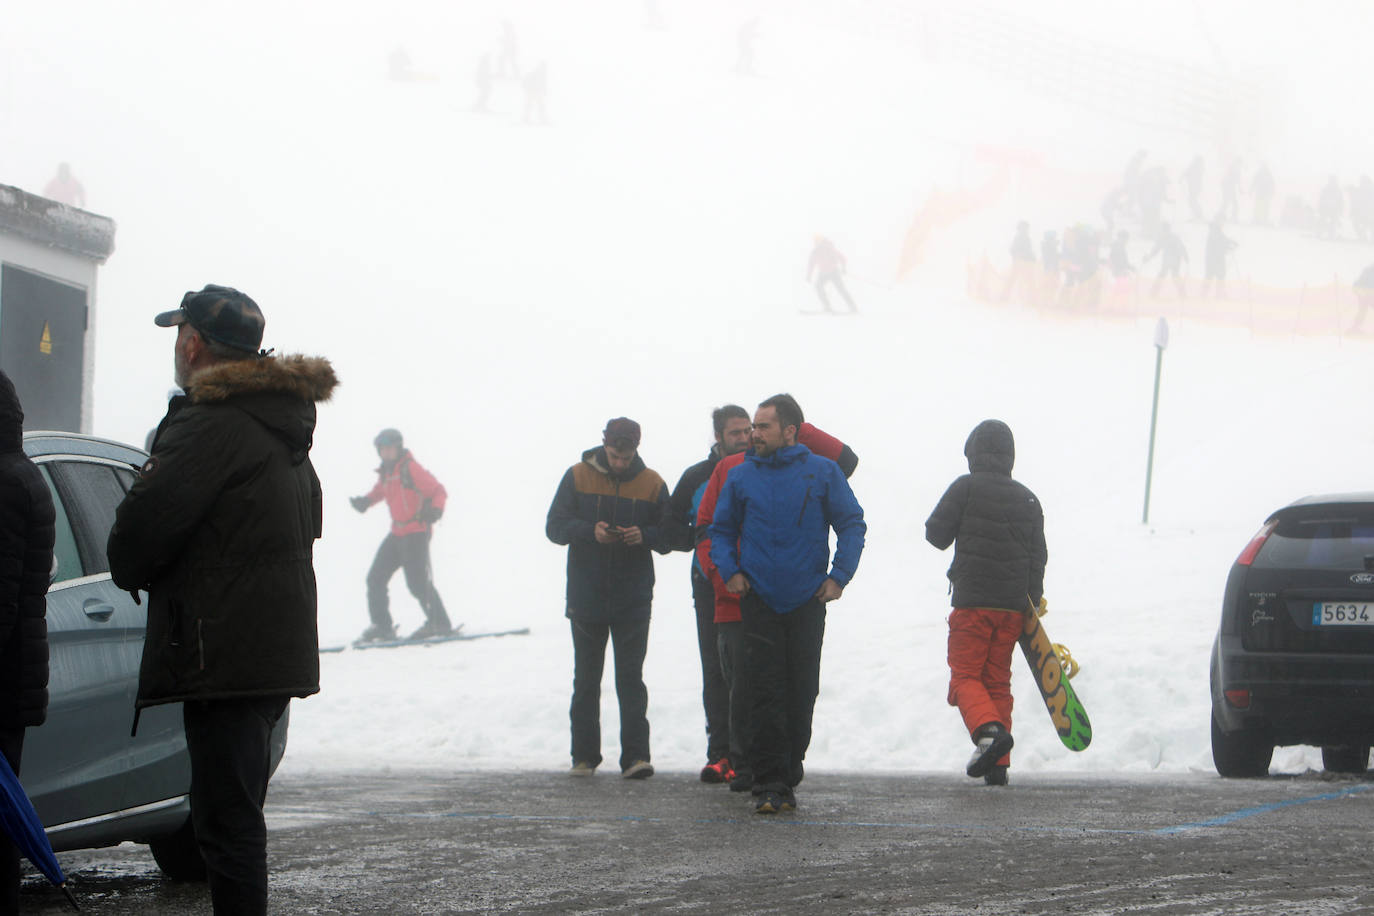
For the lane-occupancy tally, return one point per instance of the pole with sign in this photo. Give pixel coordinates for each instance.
(1161, 341)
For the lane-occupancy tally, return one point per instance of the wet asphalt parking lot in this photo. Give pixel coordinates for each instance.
(935, 843)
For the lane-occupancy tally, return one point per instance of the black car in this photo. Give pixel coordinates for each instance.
(1293, 661)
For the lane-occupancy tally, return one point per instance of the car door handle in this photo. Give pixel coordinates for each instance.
(97, 609)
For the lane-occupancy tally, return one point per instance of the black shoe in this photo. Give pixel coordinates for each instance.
(991, 742)
(775, 803)
(997, 776)
(742, 782)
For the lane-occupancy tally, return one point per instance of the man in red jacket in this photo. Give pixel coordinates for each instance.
(729, 629)
(416, 501)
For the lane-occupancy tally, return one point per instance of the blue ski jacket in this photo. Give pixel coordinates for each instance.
(773, 523)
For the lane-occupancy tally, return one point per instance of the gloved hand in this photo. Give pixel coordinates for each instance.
(359, 502)
(429, 513)
(1044, 607)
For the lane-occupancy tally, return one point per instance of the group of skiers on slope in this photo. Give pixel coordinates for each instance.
(1069, 270)
(757, 513)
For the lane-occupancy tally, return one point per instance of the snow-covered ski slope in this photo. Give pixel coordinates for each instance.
(498, 291)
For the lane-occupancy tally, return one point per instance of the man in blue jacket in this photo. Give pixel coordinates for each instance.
(770, 539)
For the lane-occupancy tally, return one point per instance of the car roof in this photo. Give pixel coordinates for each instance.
(1326, 501)
(44, 442)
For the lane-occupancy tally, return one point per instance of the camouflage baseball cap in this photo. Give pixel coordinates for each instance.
(219, 313)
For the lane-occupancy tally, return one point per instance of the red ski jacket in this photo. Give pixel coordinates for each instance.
(820, 442)
(407, 487)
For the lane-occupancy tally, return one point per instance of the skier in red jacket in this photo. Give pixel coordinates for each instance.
(416, 501)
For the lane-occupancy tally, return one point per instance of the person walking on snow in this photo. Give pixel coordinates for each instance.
(1219, 246)
(729, 629)
(610, 511)
(770, 541)
(828, 266)
(732, 428)
(416, 501)
(998, 532)
(1172, 255)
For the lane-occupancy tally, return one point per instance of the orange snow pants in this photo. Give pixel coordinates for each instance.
(981, 641)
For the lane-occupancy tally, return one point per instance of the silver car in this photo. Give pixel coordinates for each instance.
(92, 782)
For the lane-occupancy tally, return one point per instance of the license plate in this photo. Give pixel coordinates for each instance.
(1343, 614)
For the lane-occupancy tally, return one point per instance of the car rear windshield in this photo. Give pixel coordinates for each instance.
(1320, 543)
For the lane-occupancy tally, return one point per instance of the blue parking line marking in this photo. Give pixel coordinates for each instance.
(1260, 809)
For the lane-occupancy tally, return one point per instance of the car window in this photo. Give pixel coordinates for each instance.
(126, 478)
(91, 492)
(64, 548)
(1333, 543)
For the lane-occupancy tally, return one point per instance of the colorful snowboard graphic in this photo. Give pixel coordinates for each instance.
(1067, 713)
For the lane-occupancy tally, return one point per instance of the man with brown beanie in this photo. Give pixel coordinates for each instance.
(610, 511)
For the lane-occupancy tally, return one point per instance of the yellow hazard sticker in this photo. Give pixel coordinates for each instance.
(45, 342)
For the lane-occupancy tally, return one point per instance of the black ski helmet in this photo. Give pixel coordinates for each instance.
(387, 437)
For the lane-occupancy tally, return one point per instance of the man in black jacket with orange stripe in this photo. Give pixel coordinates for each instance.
(610, 511)
(26, 539)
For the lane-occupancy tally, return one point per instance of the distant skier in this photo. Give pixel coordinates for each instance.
(1262, 189)
(483, 80)
(998, 531)
(1172, 255)
(1049, 267)
(1218, 247)
(508, 57)
(828, 266)
(1364, 298)
(64, 188)
(1192, 181)
(536, 85)
(1330, 209)
(1152, 193)
(1230, 193)
(744, 61)
(416, 501)
(1021, 276)
(1362, 208)
(1120, 259)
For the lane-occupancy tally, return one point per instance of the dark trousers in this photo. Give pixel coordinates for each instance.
(835, 280)
(715, 695)
(730, 644)
(408, 552)
(782, 653)
(12, 746)
(229, 742)
(630, 640)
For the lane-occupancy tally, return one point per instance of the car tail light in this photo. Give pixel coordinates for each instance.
(1238, 698)
(1247, 556)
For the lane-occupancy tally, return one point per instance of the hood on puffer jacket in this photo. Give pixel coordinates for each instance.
(990, 447)
(11, 417)
(596, 458)
(257, 385)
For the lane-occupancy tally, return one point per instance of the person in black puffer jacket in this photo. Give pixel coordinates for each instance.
(998, 530)
(27, 526)
(219, 529)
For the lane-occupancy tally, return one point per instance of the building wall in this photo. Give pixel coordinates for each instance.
(70, 270)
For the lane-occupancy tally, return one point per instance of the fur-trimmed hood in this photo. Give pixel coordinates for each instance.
(278, 392)
(310, 378)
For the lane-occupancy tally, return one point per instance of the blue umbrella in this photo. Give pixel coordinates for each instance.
(20, 821)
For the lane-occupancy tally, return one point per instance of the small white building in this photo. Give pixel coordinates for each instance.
(49, 253)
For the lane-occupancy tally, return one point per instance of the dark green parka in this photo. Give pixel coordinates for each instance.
(220, 530)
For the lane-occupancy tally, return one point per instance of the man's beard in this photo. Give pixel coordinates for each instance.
(180, 370)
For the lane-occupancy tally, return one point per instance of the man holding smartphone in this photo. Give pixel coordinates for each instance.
(609, 510)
